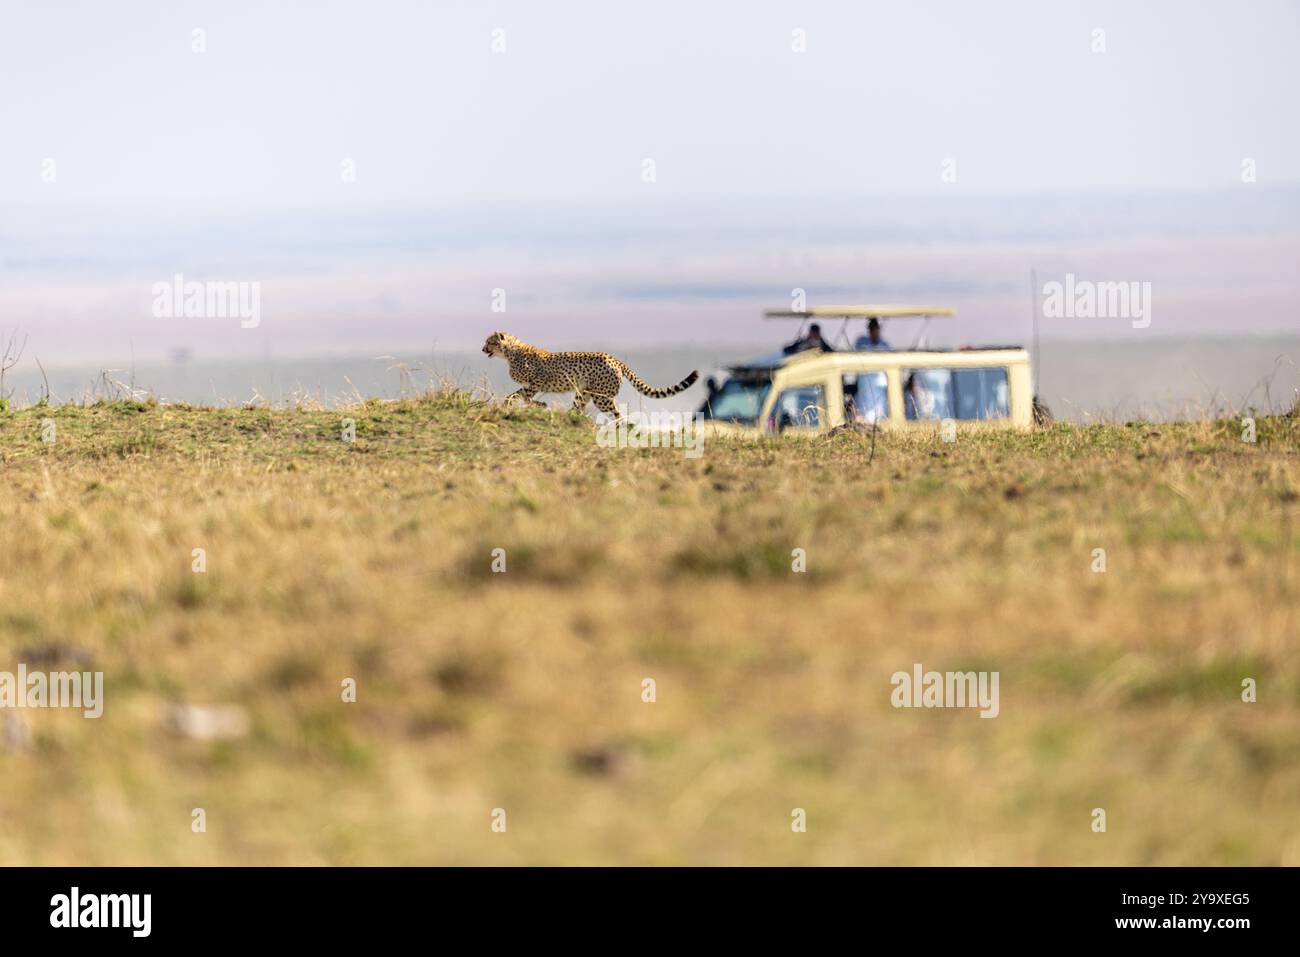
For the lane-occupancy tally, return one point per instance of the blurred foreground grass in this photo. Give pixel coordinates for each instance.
(372, 560)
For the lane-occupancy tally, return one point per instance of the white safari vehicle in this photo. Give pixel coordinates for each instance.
(867, 381)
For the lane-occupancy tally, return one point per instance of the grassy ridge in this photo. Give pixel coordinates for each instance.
(372, 560)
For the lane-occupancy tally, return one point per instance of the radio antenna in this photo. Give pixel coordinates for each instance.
(1033, 308)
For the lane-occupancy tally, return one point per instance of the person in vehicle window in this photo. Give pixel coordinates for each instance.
(870, 401)
(918, 403)
(872, 340)
(813, 340)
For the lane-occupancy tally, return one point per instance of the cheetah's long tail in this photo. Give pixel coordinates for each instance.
(645, 389)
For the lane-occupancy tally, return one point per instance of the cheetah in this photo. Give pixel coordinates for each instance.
(591, 376)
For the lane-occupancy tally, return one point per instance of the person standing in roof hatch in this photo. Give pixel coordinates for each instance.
(872, 340)
(813, 340)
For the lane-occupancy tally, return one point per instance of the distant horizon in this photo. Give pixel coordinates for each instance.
(378, 354)
(80, 284)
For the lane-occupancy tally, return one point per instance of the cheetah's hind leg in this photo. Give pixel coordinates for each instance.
(606, 404)
(580, 400)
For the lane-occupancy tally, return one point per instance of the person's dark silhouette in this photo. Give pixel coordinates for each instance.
(813, 340)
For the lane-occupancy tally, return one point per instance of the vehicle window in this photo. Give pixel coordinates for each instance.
(955, 394)
(738, 400)
(869, 392)
(802, 408)
(927, 394)
(981, 393)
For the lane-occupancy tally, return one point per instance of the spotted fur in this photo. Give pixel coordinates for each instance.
(591, 376)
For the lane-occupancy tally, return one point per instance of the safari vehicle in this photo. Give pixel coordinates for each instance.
(814, 391)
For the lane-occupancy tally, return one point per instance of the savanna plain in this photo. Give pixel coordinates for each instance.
(330, 564)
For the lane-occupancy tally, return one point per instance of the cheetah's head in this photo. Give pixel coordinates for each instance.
(497, 342)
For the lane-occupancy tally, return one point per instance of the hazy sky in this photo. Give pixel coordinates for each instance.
(584, 92)
(381, 167)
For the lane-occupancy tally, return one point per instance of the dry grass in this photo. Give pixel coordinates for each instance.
(522, 691)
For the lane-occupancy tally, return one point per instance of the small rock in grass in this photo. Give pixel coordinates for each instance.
(209, 722)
